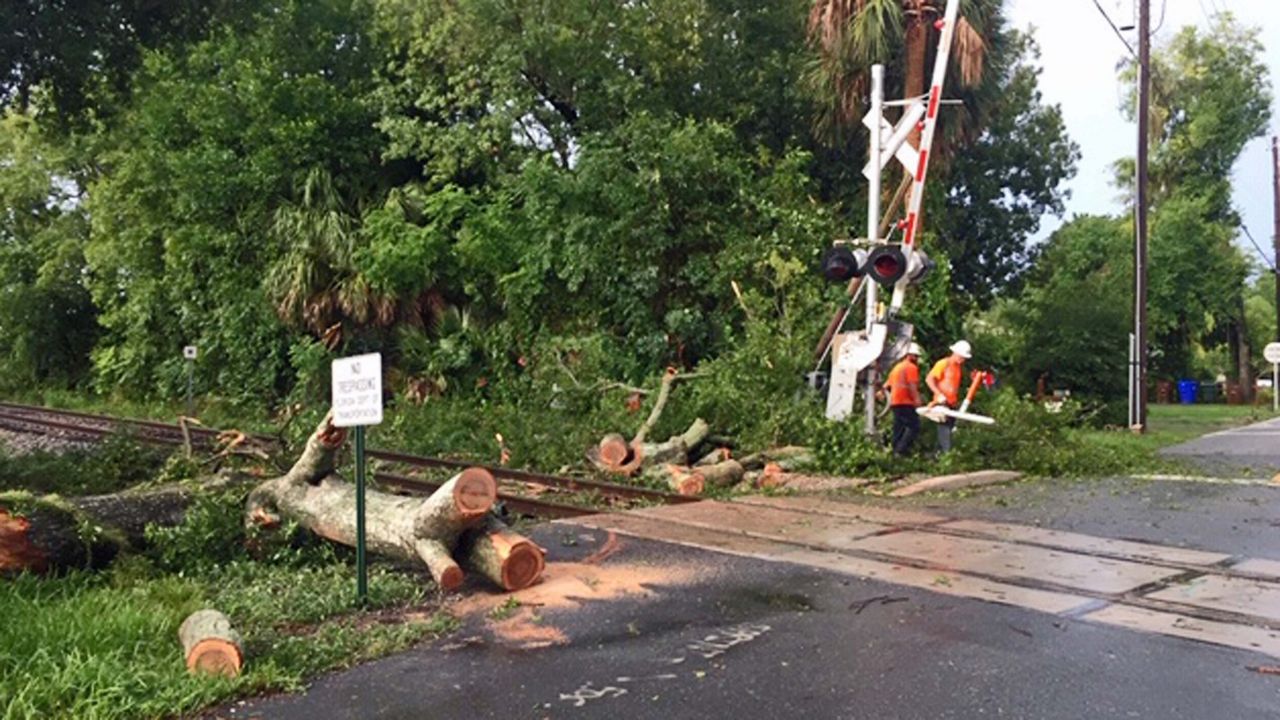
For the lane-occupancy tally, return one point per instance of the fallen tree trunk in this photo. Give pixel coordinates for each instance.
(50, 533)
(210, 645)
(407, 528)
(509, 560)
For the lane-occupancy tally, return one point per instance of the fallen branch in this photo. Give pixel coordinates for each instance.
(409, 528)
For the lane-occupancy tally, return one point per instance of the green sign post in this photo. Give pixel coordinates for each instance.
(357, 403)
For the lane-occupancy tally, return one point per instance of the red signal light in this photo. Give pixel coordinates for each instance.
(887, 264)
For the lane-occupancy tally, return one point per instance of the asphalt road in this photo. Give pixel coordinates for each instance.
(732, 637)
(1249, 450)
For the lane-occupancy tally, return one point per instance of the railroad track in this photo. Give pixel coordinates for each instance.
(521, 491)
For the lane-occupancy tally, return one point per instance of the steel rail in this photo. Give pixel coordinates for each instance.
(23, 418)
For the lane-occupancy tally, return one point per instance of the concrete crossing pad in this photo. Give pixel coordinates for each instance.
(1012, 561)
(1243, 637)
(1238, 595)
(1087, 543)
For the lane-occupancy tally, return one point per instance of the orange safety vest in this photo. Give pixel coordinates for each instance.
(901, 378)
(949, 376)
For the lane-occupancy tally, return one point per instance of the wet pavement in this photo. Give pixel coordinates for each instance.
(1252, 450)
(763, 610)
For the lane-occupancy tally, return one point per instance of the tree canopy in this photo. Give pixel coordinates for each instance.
(479, 189)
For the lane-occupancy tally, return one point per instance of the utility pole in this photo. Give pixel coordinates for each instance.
(1275, 186)
(1140, 224)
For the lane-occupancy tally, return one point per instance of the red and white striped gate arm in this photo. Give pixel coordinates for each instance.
(912, 221)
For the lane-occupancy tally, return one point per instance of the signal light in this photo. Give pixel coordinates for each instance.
(840, 264)
(886, 264)
(918, 267)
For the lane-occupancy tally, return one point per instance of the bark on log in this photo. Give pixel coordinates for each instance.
(508, 559)
(408, 528)
(788, 457)
(721, 475)
(647, 455)
(50, 533)
(676, 449)
(210, 645)
(717, 455)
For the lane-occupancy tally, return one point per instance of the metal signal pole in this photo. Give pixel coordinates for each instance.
(1140, 224)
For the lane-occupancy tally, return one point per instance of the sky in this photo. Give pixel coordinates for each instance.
(1079, 55)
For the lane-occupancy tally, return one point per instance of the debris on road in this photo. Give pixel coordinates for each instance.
(955, 482)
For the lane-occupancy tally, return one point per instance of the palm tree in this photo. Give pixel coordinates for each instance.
(852, 35)
(315, 283)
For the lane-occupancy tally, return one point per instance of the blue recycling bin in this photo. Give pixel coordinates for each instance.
(1187, 391)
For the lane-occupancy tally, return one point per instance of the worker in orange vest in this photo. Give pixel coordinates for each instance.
(944, 380)
(903, 387)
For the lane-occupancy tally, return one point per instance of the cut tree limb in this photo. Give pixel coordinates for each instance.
(508, 559)
(723, 474)
(407, 528)
(50, 533)
(682, 480)
(210, 645)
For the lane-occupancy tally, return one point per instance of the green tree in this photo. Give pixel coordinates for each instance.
(1211, 95)
(47, 321)
(217, 138)
(1005, 181)
(1070, 324)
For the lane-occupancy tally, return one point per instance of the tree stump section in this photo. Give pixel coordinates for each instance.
(407, 528)
(508, 559)
(210, 645)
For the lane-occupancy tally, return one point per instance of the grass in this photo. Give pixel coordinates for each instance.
(1168, 425)
(1173, 424)
(105, 646)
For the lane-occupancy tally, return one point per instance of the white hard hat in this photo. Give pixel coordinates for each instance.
(914, 349)
(963, 349)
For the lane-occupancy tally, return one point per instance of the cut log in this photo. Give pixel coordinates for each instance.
(614, 450)
(407, 528)
(681, 480)
(721, 475)
(41, 534)
(717, 455)
(508, 559)
(210, 645)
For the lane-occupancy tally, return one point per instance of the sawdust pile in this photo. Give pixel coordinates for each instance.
(567, 586)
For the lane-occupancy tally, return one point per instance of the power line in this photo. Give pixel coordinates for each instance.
(1265, 260)
(1164, 5)
(1114, 28)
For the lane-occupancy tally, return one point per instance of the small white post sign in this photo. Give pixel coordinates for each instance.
(1272, 353)
(357, 390)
